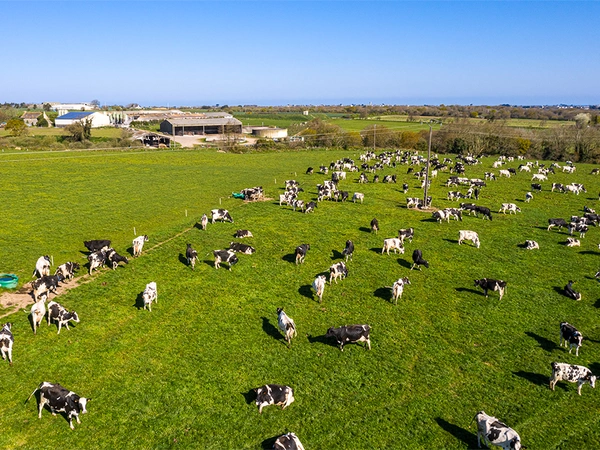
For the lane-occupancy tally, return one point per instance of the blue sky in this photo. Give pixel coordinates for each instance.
(301, 52)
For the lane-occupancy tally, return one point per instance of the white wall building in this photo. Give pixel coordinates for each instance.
(98, 119)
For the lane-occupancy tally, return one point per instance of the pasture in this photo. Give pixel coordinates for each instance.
(181, 375)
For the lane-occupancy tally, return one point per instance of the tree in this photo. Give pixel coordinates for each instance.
(80, 131)
(47, 106)
(582, 120)
(16, 127)
(95, 103)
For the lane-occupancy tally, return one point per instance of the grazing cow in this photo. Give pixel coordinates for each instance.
(114, 258)
(341, 196)
(285, 198)
(570, 336)
(38, 311)
(405, 188)
(570, 292)
(138, 245)
(350, 333)
(67, 270)
(398, 288)
(220, 214)
(242, 234)
(274, 394)
(392, 244)
(319, 286)
(323, 169)
(528, 197)
(298, 204)
(418, 260)
(558, 186)
(557, 223)
(375, 225)
(483, 210)
(286, 325)
(300, 252)
(97, 259)
(310, 207)
(572, 374)
(42, 267)
(150, 295)
(363, 178)
(226, 256)
(238, 247)
(495, 432)
(45, 285)
(536, 187)
(489, 176)
(489, 283)
(338, 270)
(510, 207)
(524, 168)
(580, 228)
(309, 171)
(472, 208)
(204, 221)
(406, 233)
(191, 255)
(288, 442)
(358, 196)
(572, 242)
(504, 172)
(531, 245)
(6, 342)
(61, 315)
(60, 399)
(468, 236)
(96, 245)
(595, 172)
(440, 216)
(348, 250)
(376, 179)
(539, 177)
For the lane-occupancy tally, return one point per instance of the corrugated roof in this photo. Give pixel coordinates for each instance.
(76, 115)
(203, 122)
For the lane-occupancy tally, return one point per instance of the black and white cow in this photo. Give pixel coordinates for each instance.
(528, 197)
(310, 207)
(59, 314)
(274, 394)
(350, 333)
(570, 336)
(67, 270)
(468, 235)
(97, 259)
(288, 442)
(220, 214)
(338, 270)
(580, 228)
(286, 325)
(138, 245)
(483, 210)
(238, 247)
(226, 256)
(298, 204)
(418, 260)
(38, 311)
(557, 223)
(45, 285)
(319, 286)
(96, 245)
(341, 196)
(558, 186)
(398, 288)
(242, 234)
(150, 295)
(405, 188)
(531, 245)
(572, 374)
(300, 252)
(348, 250)
(42, 267)
(6, 342)
(406, 233)
(358, 196)
(204, 221)
(114, 258)
(60, 399)
(375, 225)
(309, 171)
(510, 207)
(570, 292)
(392, 244)
(536, 187)
(572, 242)
(495, 432)
(495, 285)
(191, 256)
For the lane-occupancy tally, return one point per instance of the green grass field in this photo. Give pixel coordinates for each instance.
(109, 132)
(181, 375)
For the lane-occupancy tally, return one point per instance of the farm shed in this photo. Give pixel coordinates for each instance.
(151, 139)
(270, 133)
(98, 119)
(200, 126)
(30, 118)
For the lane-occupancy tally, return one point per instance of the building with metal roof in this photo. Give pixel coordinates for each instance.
(98, 119)
(200, 126)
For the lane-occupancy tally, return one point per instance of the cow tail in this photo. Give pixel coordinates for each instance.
(31, 395)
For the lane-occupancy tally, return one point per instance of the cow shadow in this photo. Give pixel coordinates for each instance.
(469, 439)
(404, 263)
(538, 379)
(336, 255)
(384, 293)
(250, 396)
(322, 340)
(130, 251)
(290, 257)
(588, 252)
(597, 304)
(209, 262)
(452, 241)
(182, 259)
(306, 291)
(271, 330)
(198, 226)
(469, 290)
(376, 250)
(269, 444)
(595, 368)
(364, 229)
(545, 343)
(139, 301)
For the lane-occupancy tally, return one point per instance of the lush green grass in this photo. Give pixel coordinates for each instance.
(176, 376)
(108, 132)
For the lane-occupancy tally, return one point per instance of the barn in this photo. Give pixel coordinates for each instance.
(98, 119)
(200, 126)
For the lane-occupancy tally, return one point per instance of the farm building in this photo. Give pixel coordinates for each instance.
(200, 126)
(270, 133)
(98, 119)
(149, 139)
(73, 106)
(30, 118)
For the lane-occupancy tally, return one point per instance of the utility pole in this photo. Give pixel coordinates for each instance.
(425, 205)
(374, 136)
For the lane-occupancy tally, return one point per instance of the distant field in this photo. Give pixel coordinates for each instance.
(181, 376)
(109, 132)
(517, 123)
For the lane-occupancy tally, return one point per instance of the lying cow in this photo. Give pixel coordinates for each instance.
(96, 245)
(191, 256)
(286, 325)
(510, 207)
(6, 342)
(350, 333)
(59, 314)
(45, 285)
(398, 288)
(288, 442)
(468, 235)
(392, 244)
(495, 285)
(531, 245)
(238, 247)
(572, 242)
(220, 214)
(242, 234)
(150, 295)
(42, 267)
(348, 250)
(138, 245)
(319, 286)
(572, 374)
(67, 270)
(570, 336)
(226, 256)
(495, 432)
(274, 394)
(570, 292)
(338, 270)
(60, 399)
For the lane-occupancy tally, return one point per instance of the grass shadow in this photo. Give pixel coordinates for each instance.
(306, 291)
(383, 293)
(404, 263)
(250, 396)
(469, 439)
(364, 229)
(271, 329)
(336, 255)
(290, 257)
(535, 378)
(545, 343)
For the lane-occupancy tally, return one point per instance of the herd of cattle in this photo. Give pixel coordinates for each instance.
(491, 429)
